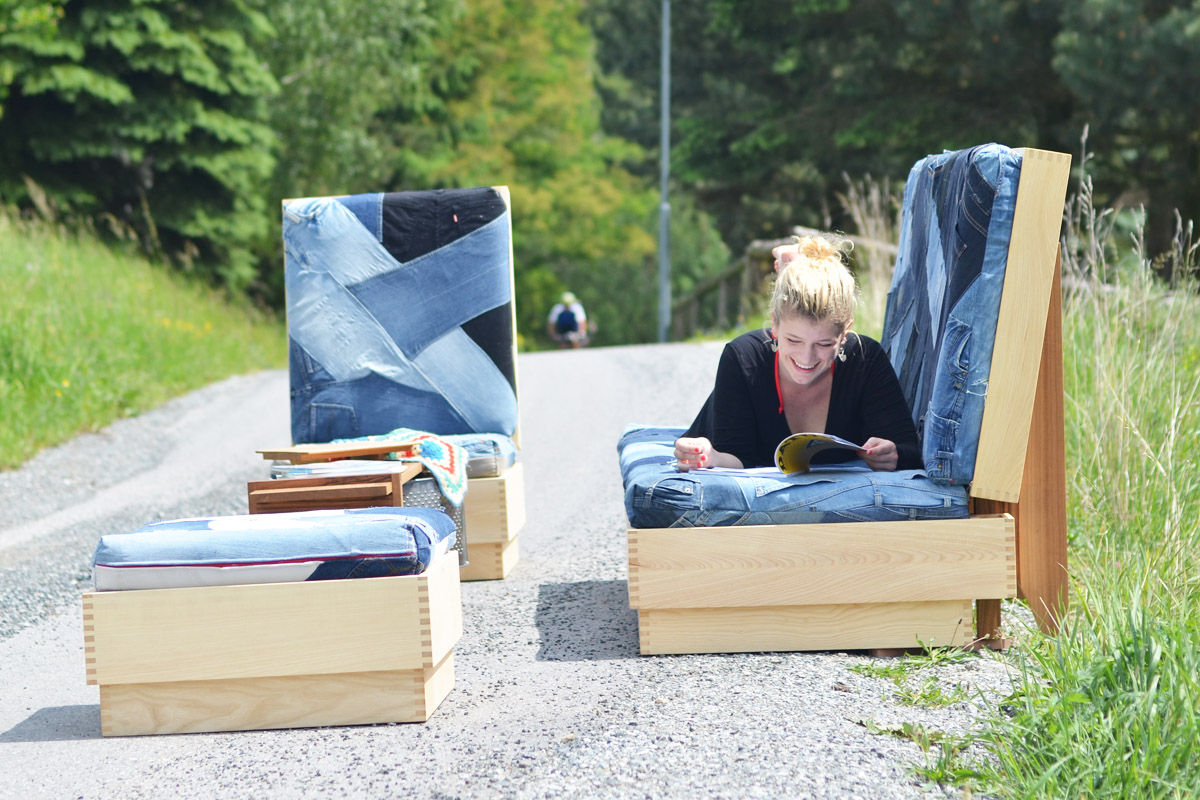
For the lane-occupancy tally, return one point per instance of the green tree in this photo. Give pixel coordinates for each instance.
(345, 69)
(513, 101)
(773, 100)
(1134, 68)
(151, 113)
(25, 27)
(340, 63)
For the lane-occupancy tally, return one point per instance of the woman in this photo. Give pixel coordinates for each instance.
(808, 373)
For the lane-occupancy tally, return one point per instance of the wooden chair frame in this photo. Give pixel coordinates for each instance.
(274, 655)
(902, 584)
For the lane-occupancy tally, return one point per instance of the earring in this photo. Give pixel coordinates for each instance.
(841, 351)
(774, 345)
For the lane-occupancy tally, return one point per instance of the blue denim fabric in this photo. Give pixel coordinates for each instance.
(376, 344)
(944, 300)
(405, 534)
(490, 455)
(658, 496)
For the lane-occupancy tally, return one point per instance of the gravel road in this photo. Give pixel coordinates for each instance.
(551, 697)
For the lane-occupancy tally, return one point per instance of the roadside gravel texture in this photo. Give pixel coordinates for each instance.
(551, 697)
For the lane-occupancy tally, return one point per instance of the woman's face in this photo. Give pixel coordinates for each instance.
(806, 348)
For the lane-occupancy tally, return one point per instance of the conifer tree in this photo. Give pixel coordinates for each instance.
(149, 113)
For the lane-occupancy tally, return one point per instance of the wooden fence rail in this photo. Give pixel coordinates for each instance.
(729, 298)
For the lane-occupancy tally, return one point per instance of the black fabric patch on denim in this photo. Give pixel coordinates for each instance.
(492, 331)
(911, 371)
(416, 223)
(343, 568)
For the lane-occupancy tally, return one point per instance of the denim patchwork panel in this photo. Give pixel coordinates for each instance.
(658, 496)
(266, 548)
(944, 299)
(400, 314)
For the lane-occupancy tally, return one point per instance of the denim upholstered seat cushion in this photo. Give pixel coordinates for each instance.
(944, 300)
(659, 496)
(400, 313)
(270, 548)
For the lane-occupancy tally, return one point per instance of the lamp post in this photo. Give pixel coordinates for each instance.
(664, 206)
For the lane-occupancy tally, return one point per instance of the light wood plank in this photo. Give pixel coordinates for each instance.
(988, 619)
(1042, 513)
(404, 472)
(335, 451)
(217, 632)
(378, 492)
(330, 491)
(491, 561)
(293, 701)
(1021, 324)
(494, 508)
(780, 565)
(440, 601)
(791, 628)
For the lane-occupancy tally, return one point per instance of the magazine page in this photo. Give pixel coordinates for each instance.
(793, 453)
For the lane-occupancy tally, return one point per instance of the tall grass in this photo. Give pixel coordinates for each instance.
(1110, 708)
(90, 333)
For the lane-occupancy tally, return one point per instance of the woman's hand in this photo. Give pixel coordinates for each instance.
(694, 453)
(881, 454)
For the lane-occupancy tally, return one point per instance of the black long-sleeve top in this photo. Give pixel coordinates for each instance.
(741, 416)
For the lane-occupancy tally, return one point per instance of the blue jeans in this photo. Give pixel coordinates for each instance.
(339, 543)
(944, 300)
(658, 496)
(376, 343)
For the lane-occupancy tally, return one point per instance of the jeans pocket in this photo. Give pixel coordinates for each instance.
(956, 349)
(941, 439)
(678, 492)
(329, 421)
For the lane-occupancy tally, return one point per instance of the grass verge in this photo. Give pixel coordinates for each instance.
(1109, 708)
(90, 333)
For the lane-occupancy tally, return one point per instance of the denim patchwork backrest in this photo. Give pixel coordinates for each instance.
(400, 313)
(944, 301)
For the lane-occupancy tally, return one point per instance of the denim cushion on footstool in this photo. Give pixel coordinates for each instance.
(659, 496)
(270, 548)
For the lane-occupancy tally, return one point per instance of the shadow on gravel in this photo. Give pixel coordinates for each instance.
(586, 621)
(57, 724)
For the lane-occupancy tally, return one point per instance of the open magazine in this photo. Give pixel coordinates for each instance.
(793, 453)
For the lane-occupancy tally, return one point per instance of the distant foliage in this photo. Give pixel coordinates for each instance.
(773, 100)
(26, 26)
(150, 114)
(511, 100)
(1134, 68)
(345, 69)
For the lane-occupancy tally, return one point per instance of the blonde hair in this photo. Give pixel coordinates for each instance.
(814, 281)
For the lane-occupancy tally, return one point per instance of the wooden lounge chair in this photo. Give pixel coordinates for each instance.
(881, 585)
